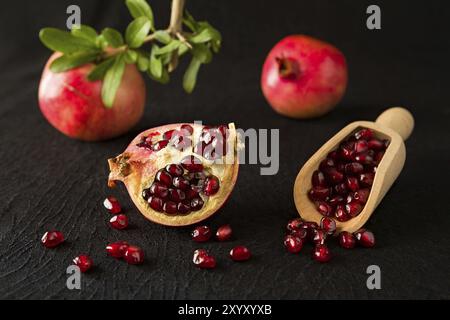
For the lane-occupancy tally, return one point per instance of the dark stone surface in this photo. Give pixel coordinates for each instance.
(50, 181)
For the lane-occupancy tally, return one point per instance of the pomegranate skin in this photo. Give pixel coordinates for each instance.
(73, 104)
(314, 82)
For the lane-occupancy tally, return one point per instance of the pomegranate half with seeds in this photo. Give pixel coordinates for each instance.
(179, 174)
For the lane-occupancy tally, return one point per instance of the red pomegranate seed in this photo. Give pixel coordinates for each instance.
(310, 225)
(324, 208)
(376, 144)
(353, 168)
(83, 262)
(378, 156)
(176, 195)
(361, 146)
(191, 193)
(321, 253)
(211, 186)
(156, 203)
(327, 164)
(319, 194)
(318, 179)
(340, 167)
(187, 129)
(201, 234)
(352, 183)
(328, 225)
(203, 260)
(224, 233)
(365, 134)
(301, 233)
(334, 201)
(347, 240)
(164, 177)
(333, 176)
(353, 208)
(117, 249)
(168, 134)
(319, 236)
(159, 190)
(52, 239)
(333, 155)
(223, 129)
(181, 183)
(365, 238)
(181, 142)
(170, 207)
(192, 164)
(340, 214)
(293, 244)
(184, 207)
(160, 145)
(112, 204)
(294, 224)
(346, 150)
(134, 255)
(175, 170)
(240, 253)
(119, 222)
(364, 158)
(196, 204)
(361, 196)
(341, 189)
(366, 179)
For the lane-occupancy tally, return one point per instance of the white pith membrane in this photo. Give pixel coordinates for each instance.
(137, 166)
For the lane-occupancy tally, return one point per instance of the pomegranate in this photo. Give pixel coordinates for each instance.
(83, 262)
(203, 260)
(134, 255)
(73, 104)
(179, 174)
(341, 186)
(303, 77)
(224, 233)
(240, 253)
(52, 239)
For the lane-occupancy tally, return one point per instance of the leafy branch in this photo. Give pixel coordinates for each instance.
(155, 52)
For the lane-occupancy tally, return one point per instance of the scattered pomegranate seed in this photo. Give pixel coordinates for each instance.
(347, 240)
(328, 225)
(119, 222)
(83, 262)
(117, 249)
(321, 253)
(134, 255)
(224, 233)
(201, 234)
(365, 238)
(340, 214)
(52, 239)
(295, 224)
(240, 253)
(319, 236)
(302, 233)
(293, 244)
(203, 260)
(112, 204)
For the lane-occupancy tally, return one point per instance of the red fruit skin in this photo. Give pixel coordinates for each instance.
(319, 84)
(73, 105)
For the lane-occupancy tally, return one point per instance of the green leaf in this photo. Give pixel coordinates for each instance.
(156, 64)
(203, 36)
(131, 56)
(67, 62)
(166, 58)
(99, 72)
(63, 41)
(113, 37)
(164, 79)
(112, 81)
(182, 49)
(202, 53)
(162, 36)
(85, 32)
(190, 77)
(137, 31)
(143, 63)
(190, 22)
(140, 8)
(172, 46)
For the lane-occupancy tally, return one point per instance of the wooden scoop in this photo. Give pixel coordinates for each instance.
(395, 124)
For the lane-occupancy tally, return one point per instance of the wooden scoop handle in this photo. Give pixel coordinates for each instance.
(397, 119)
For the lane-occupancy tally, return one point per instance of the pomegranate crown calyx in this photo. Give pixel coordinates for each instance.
(110, 51)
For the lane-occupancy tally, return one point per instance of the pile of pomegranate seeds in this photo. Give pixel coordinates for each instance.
(342, 183)
(52, 239)
(178, 139)
(83, 262)
(177, 187)
(300, 232)
(203, 259)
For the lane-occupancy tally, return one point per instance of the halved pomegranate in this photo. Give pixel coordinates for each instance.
(179, 174)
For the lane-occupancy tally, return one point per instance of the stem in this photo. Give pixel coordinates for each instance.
(175, 27)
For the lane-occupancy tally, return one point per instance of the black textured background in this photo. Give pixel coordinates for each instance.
(49, 181)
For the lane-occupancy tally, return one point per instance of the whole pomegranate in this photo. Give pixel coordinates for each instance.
(73, 104)
(304, 77)
(179, 174)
